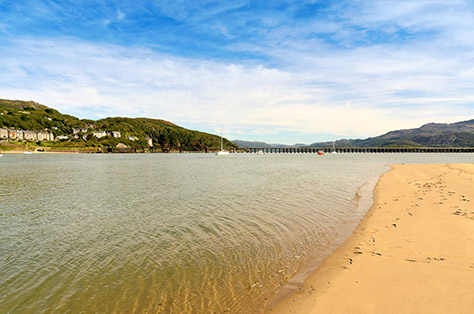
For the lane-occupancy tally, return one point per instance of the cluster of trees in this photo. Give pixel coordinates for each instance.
(165, 135)
(28, 115)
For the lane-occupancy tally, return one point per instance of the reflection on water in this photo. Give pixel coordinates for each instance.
(170, 233)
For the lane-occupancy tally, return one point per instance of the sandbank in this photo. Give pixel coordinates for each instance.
(412, 253)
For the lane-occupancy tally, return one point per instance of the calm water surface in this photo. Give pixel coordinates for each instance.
(188, 233)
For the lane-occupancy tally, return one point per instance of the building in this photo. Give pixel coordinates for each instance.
(99, 134)
(30, 135)
(3, 133)
(115, 134)
(15, 134)
(149, 141)
(77, 130)
(132, 138)
(26, 135)
(45, 136)
(61, 137)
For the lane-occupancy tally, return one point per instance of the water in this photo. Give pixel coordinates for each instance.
(188, 233)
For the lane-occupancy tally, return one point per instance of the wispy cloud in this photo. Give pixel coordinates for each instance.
(120, 14)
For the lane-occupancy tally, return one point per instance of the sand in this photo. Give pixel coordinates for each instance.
(412, 253)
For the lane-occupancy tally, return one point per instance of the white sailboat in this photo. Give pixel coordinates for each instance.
(222, 152)
(333, 147)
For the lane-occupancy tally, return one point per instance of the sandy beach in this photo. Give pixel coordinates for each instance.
(412, 253)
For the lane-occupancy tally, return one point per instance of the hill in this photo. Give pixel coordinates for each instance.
(29, 115)
(459, 134)
(250, 144)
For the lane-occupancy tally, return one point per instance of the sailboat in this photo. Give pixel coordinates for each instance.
(222, 152)
(333, 147)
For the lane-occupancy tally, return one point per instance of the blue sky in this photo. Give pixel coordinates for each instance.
(275, 71)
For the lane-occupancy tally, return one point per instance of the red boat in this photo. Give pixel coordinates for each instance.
(320, 153)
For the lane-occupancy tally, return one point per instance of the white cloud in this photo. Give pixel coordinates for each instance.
(120, 15)
(95, 81)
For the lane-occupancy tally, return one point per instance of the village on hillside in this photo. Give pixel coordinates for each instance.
(47, 136)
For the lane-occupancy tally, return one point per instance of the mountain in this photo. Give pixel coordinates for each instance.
(459, 134)
(29, 115)
(249, 144)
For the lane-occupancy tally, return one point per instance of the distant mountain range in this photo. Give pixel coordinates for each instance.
(459, 134)
(249, 144)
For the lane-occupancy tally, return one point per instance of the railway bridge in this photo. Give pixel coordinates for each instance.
(314, 150)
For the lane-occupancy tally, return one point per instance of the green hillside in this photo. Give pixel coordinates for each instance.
(29, 115)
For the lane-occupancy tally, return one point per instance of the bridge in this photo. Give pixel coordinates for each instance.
(314, 150)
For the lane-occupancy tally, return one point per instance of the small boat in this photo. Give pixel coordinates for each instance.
(260, 152)
(1, 155)
(222, 152)
(320, 153)
(27, 153)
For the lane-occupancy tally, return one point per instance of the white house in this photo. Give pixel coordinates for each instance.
(45, 136)
(99, 134)
(115, 134)
(77, 130)
(3, 133)
(149, 141)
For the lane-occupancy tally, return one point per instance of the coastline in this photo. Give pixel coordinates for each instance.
(413, 252)
(364, 200)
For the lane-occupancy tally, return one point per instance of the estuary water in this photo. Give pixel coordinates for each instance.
(173, 233)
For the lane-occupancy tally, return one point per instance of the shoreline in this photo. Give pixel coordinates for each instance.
(413, 251)
(363, 199)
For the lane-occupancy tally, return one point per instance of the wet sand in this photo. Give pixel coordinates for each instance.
(412, 253)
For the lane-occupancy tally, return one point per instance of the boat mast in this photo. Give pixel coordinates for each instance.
(222, 148)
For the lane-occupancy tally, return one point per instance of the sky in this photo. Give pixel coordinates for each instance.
(278, 71)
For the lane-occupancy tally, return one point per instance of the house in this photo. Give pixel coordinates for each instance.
(3, 133)
(30, 135)
(115, 134)
(15, 134)
(99, 134)
(132, 138)
(44, 136)
(77, 130)
(149, 141)
(61, 137)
